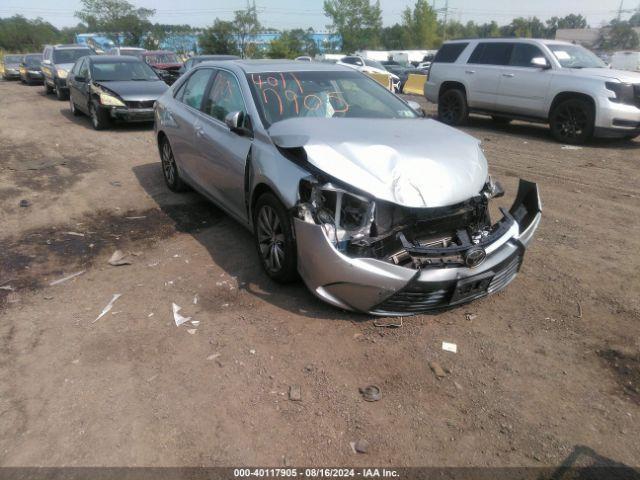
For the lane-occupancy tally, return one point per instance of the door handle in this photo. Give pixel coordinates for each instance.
(199, 131)
(508, 75)
(470, 72)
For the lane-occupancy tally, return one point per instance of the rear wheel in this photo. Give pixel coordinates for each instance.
(452, 107)
(572, 121)
(274, 239)
(170, 169)
(99, 118)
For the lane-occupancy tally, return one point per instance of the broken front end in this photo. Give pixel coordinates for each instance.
(385, 259)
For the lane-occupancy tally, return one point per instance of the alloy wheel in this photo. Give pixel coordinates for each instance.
(450, 108)
(270, 238)
(94, 117)
(168, 163)
(572, 121)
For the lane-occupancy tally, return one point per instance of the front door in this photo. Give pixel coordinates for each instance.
(483, 71)
(523, 86)
(223, 153)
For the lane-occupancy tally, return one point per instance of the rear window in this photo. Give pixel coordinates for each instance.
(449, 52)
(492, 53)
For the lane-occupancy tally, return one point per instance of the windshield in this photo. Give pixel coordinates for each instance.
(33, 60)
(122, 71)
(575, 56)
(373, 63)
(12, 58)
(280, 96)
(70, 55)
(161, 58)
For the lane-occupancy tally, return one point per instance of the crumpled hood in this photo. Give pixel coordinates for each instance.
(410, 162)
(622, 75)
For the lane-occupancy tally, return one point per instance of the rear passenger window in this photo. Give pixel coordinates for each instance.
(523, 53)
(193, 91)
(449, 52)
(492, 53)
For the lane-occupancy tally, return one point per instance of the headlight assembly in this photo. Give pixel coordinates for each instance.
(343, 215)
(62, 73)
(110, 100)
(623, 92)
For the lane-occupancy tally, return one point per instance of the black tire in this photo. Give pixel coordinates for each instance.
(274, 239)
(99, 118)
(61, 94)
(170, 169)
(572, 121)
(501, 120)
(72, 107)
(452, 107)
(48, 89)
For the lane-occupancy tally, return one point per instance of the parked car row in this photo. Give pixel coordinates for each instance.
(344, 184)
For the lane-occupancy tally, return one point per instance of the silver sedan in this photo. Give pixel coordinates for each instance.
(344, 184)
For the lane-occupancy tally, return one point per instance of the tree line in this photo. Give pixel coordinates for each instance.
(359, 23)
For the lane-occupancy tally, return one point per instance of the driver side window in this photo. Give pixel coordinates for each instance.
(84, 69)
(224, 97)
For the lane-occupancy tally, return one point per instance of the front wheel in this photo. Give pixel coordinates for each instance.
(452, 107)
(572, 121)
(274, 239)
(99, 118)
(72, 106)
(61, 94)
(48, 89)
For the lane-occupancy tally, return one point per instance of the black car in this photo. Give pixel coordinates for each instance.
(193, 61)
(30, 70)
(401, 71)
(10, 67)
(110, 88)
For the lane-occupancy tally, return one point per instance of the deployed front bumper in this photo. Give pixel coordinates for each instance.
(382, 288)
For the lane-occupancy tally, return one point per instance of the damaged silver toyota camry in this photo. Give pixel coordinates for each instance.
(378, 209)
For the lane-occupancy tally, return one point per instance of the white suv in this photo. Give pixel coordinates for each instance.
(536, 80)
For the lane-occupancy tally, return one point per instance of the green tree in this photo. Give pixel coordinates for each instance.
(420, 26)
(17, 34)
(524, 27)
(620, 36)
(291, 44)
(220, 38)
(570, 21)
(116, 18)
(246, 26)
(488, 30)
(634, 21)
(392, 38)
(359, 22)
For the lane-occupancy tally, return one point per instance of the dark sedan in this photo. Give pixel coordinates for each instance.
(401, 71)
(113, 88)
(10, 67)
(30, 69)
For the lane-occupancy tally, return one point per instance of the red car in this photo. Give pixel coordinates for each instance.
(165, 63)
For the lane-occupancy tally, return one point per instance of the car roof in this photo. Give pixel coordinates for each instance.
(33, 54)
(508, 39)
(70, 46)
(112, 58)
(260, 66)
(213, 57)
(124, 47)
(156, 52)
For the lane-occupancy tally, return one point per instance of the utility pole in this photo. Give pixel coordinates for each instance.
(446, 14)
(620, 9)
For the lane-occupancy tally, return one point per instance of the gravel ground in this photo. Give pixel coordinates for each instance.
(547, 371)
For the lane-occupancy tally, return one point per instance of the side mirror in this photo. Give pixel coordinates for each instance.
(79, 79)
(540, 62)
(416, 106)
(236, 122)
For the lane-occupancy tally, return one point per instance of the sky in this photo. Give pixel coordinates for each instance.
(282, 14)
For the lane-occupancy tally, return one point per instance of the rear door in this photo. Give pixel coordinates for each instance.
(187, 117)
(523, 87)
(222, 152)
(483, 72)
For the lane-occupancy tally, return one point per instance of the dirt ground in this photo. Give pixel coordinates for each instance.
(545, 369)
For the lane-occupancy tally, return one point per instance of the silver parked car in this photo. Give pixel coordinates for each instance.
(377, 209)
